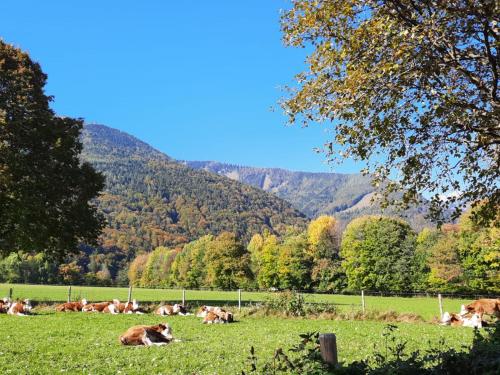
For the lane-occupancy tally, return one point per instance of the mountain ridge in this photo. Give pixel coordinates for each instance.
(151, 200)
(345, 196)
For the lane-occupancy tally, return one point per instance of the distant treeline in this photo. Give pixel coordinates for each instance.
(372, 253)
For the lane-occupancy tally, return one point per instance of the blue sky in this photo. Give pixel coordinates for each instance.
(195, 79)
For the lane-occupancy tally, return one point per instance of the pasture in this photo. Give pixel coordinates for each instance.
(426, 307)
(87, 343)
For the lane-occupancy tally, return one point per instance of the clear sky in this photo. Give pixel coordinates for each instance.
(195, 79)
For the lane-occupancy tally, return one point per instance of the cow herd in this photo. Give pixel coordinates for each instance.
(108, 307)
(210, 314)
(471, 315)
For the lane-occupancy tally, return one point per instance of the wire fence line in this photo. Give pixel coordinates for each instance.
(78, 291)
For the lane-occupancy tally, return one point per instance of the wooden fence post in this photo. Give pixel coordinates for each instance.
(440, 299)
(183, 297)
(69, 293)
(363, 300)
(239, 299)
(328, 347)
(129, 298)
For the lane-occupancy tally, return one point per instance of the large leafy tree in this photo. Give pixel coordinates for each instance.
(410, 87)
(227, 262)
(379, 254)
(479, 252)
(189, 268)
(45, 191)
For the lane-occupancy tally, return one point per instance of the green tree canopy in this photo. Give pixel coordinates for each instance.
(479, 252)
(45, 191)
(294, 263)
(378, 254)
(157, 271)
(227, 262)
(410, 87)
(189, 268)
(446, 272)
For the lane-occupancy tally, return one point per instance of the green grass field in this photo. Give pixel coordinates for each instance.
(80, 343)
(87, 343)
(425, 307)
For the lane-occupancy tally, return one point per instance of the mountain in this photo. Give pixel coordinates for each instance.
(151, 200)
(345, 196)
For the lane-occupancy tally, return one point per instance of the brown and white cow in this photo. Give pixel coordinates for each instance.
(451, 319)
(204, 310)
(20, 308)
(470, 320)
(4, 305)
(128, 308)
(176, 309)
(212, 318)
(72, 306)
(218, 316)
(489, 306)
(111, 309)
(167, 310)
(96, 307)
(160, 334)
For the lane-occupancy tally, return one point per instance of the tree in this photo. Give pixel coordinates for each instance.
(104, 276)
(188, 269)
(444, 262)
(71, 273)
(378, 254)
(323, 237)
(157, 271)
(267, 260)
(479, 251)
(136, 269)
(410, 87)
(324, 242)
(45, 190)
(294, 263)
(227, 262)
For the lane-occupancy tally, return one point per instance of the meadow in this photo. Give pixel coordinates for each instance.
(426, 307)
(87, 343)
(80, 343)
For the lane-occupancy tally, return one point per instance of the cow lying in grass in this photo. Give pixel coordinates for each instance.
(176, 309)
(72, 306)
(218, 315)
(113, 307)
(4, 305)
(470, 320)
(20, 308)
(488, 306)
(128, 308)
(160, 334)
(204, 310)
(96, 307)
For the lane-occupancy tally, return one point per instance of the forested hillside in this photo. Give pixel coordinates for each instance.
(346, 196)
(151, 200)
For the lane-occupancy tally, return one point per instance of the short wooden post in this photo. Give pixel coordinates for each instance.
(328, 347)
(183, 297)
(10, 293)
(129, 298)
(239, 299)
(440, 299)
(363, 301)
(69, 293)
